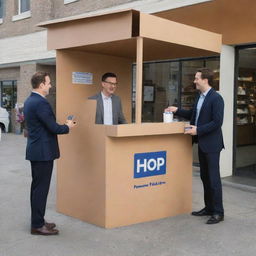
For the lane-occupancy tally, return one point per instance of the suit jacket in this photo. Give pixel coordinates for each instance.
(118, 116)
(209, 133)
(42, 143)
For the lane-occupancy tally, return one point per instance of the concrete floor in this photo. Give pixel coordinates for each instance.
(184, 235)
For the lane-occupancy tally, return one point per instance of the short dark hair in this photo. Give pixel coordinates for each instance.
(38, 78)
(207, 73)
(106, 75)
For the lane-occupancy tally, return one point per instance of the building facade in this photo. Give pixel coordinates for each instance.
(23, 51)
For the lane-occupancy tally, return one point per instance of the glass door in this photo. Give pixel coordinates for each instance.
(245, 114)
(8, 94)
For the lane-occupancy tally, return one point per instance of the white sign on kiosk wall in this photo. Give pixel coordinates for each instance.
(82, 78)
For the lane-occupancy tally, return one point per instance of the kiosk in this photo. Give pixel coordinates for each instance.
(119, 175)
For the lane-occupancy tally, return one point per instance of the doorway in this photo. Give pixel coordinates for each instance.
(245, 113)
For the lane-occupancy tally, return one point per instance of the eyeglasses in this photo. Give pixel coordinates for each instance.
(113, 84)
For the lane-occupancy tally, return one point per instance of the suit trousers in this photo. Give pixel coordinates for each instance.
(210, 176)
(41, 179)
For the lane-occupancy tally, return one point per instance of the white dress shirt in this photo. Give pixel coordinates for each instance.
(200, 103)
(107, 106)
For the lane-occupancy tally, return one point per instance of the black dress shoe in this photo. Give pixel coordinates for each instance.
(214, 219)
(44, 231)
(50, 225)
(202, 212)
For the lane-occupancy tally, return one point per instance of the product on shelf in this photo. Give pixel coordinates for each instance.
(241, 90)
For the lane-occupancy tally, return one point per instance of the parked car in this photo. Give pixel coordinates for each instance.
(4, 120)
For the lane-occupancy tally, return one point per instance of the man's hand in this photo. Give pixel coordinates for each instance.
(70, 123)
(171, 109)
(192, 130)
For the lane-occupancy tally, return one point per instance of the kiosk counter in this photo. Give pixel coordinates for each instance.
(124, 174)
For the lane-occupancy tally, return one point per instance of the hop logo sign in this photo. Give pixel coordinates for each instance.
(149, 164)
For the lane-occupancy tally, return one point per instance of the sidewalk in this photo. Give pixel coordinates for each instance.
(183, 235)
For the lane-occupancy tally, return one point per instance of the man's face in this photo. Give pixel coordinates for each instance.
(45, 87)
(109, 85)
(200, 83)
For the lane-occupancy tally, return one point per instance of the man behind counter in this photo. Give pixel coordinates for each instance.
(109, 107)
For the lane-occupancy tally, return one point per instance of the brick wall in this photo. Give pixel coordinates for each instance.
(82, 6)
(10, 73)
(24, 86)
(43, 10)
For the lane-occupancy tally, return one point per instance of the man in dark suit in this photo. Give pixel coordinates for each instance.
(109, 107)
(206, 118)
(42, 149)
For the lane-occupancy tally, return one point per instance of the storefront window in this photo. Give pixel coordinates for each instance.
(170, 83)
(214, 65)
(1, 9)
(188, 87)
(8, 94)
(246, 113)
(189, 68)
(160, 89)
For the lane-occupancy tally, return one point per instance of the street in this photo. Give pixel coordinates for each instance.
(183, 235)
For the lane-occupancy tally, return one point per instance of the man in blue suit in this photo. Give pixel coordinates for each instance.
(42, 149)
(206, 118)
